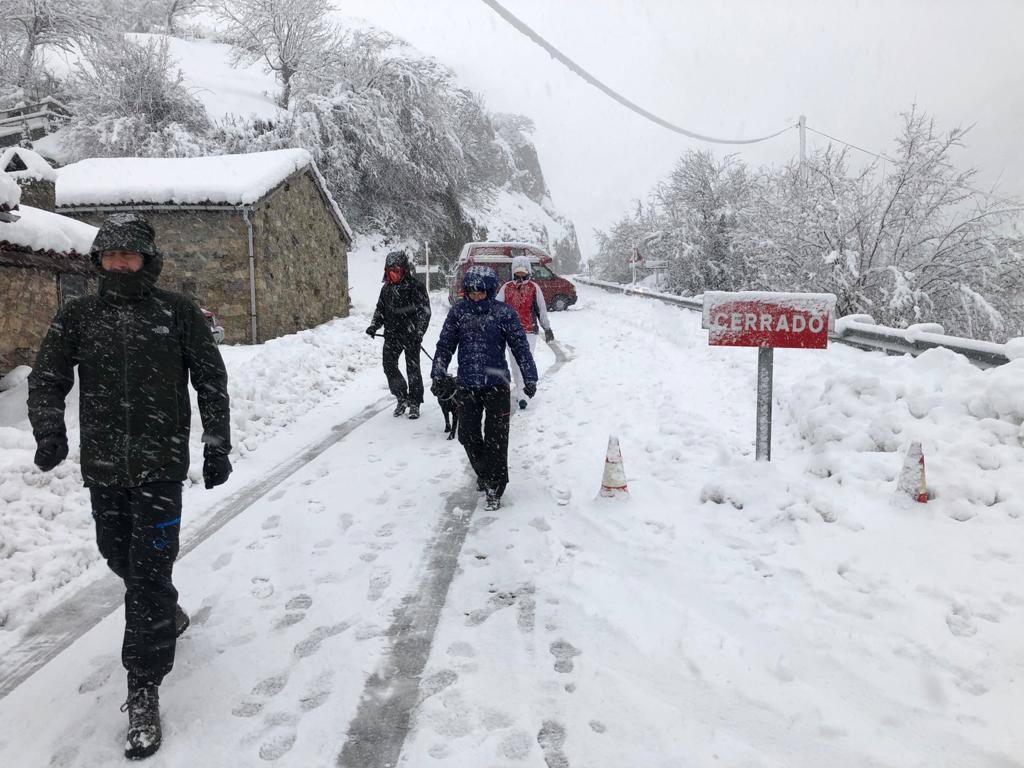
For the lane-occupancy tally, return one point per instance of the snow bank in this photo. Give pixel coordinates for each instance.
(40, 230)
(217, 180)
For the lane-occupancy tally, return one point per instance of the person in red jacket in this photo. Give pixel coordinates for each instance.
(526, 298)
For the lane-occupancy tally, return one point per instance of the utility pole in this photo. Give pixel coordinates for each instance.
(803, 147)
(427, 245)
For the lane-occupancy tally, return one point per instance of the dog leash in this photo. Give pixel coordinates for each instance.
(422, 349)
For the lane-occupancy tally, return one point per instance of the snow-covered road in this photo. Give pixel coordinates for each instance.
(728, 614)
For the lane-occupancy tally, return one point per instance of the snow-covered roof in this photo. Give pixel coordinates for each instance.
(38, 230)
(213, 180)
(10, 192)
(35, 166)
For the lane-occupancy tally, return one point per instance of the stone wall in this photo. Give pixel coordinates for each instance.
(301, 260)
(38, 193)
(28, 298)
(206, 257)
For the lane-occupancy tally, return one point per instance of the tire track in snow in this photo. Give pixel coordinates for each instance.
(379, 729)
(58, 628)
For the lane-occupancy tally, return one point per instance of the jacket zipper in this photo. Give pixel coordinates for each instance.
(127, 413)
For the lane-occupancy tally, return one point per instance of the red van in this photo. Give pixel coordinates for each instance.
(558, 292)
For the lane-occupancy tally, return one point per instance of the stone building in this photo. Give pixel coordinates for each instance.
(255, 238)
(43, 263)
(33, 174)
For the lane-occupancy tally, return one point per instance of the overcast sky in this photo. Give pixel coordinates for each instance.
(730, 68)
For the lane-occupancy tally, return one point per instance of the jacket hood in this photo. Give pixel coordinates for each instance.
(397, 259)
(129, 232)
(479, 278)
(520, 263)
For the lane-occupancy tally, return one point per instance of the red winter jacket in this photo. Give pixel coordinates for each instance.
(527, 300)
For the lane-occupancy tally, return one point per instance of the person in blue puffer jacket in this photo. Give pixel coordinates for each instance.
(480, 327)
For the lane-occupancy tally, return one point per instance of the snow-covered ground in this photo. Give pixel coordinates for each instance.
(728, 614)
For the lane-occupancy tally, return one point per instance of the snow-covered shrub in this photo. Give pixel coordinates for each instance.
(908, 241)
(128, 100)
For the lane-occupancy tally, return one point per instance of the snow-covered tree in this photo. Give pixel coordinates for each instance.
(128, 99)
(907, 240)
(294, 38)
(60, 23)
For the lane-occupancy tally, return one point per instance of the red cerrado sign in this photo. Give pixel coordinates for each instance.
(762, 319)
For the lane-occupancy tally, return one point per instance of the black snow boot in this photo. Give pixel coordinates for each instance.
(399, 408)
(143, 707)
(181, 621)
(493, 500)
(414, 410)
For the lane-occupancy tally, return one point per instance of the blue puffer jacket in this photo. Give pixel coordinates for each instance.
(479, 330)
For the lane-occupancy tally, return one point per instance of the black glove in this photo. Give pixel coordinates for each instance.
(371, 332)
(51, 450)
(216, 469)
(530, 388)
(549, 335)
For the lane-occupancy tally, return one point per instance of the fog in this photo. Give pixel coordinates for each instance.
(732, 69)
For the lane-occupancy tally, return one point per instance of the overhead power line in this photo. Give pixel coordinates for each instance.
(886, 158)
(576, 68)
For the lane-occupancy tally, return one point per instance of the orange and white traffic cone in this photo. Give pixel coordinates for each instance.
(912, 481)
(614, 481)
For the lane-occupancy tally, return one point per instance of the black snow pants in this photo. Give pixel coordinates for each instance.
(487, 451)
(137, 533)
(393, 347)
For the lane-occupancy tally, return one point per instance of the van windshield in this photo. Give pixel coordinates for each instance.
(542, 273)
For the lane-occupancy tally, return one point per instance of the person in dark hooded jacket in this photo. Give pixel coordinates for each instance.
(480, 327)
(135, 347)
(403, 310)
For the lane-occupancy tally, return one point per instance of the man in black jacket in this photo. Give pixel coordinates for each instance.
(404, 310)
(135, 347)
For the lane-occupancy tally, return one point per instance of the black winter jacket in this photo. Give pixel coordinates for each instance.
(135, 355)
(403, 310)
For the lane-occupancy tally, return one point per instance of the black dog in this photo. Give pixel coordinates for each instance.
(448, 399)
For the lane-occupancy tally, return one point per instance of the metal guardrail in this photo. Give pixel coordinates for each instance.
(858, 331)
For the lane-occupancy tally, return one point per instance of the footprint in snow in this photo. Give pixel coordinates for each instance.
(563, 653)
(318, 691)
(264, 689)
(99, 676)
(271, 522)
(311, 644)
(223, 559)
(497, 602)
(960, 621)
(295, 609)
(551, 738)
(380, 580)
(515, 746)
(261, 587)
(282, 736)
(437, 682)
